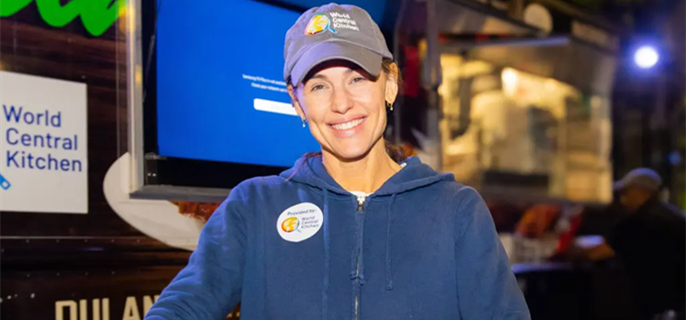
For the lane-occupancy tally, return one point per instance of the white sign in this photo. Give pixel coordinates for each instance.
(43, 145)
(299, 222)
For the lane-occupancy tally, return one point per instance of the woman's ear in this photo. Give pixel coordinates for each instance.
(392, 87)
(296, 103)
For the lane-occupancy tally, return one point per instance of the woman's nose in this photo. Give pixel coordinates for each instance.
(342, 101)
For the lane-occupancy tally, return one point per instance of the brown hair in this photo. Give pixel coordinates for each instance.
(395, 152)
(387, 66)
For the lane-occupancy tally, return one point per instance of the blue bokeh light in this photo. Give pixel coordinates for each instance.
(646, 57)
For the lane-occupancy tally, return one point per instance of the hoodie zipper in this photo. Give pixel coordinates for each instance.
(360, 203)
(360, 208)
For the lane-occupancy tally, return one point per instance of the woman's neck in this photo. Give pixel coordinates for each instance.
(366, 174)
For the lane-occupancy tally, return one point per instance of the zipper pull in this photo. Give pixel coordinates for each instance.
(360, 202)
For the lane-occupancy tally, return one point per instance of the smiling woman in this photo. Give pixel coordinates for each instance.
(390, 73)
(293, 246)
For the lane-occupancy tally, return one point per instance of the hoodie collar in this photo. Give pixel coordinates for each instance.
(311, 171)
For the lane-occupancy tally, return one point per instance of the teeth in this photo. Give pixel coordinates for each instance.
(347, 125)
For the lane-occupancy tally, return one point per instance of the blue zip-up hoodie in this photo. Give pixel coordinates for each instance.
(421, 247)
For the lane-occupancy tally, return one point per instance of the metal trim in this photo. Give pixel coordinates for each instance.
(175, 193)
(135, 94)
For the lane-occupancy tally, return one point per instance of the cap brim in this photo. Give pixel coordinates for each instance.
(368, 60)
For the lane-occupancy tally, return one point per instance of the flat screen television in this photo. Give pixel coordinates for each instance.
(215, 110)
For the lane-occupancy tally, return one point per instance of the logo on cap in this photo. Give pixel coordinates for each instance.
(318, 24)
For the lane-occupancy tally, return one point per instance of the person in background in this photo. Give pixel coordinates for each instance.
(651, 243)
(355, 231)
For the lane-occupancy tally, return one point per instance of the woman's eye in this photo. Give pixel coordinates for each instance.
(358, 79)
(317, 87)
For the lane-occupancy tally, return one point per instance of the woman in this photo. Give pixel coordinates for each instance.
(348, 233)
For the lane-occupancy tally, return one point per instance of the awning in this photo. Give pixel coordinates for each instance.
(564, 57)
(472, 17)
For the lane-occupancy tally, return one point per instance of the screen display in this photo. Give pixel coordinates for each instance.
(220, 89)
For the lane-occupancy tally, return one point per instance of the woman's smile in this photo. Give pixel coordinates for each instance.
(347, 128)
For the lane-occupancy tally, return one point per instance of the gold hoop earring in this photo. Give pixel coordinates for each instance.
(389, 105)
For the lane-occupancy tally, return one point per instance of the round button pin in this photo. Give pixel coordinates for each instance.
(299, 222)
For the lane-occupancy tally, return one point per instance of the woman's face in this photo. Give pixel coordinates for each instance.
(345, 107)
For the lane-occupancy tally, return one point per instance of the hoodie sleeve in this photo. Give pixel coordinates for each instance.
(486, 286)
(209, 287)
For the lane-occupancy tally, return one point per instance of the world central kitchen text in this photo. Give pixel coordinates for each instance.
(33, 151)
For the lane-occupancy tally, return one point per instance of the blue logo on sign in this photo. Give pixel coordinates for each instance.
(4, 184)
